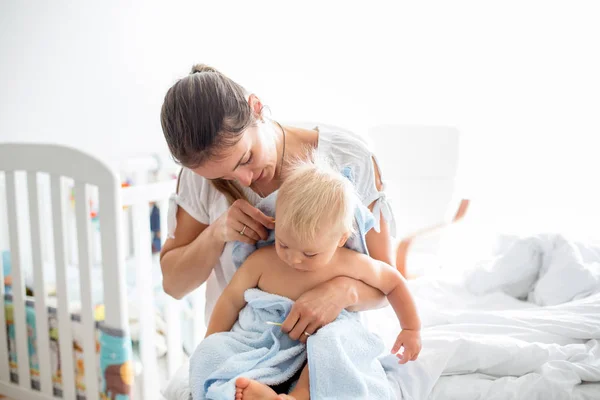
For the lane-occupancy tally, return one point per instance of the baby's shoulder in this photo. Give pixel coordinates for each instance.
(262, 257)
(351, 262)
(345, 255)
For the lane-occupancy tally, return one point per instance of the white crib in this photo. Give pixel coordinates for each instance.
(39, 220)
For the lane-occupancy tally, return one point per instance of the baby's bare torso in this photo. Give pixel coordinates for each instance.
(279, 278)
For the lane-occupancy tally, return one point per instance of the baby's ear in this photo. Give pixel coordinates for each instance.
(344, 239)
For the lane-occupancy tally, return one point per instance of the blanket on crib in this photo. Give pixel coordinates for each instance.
(342, 356)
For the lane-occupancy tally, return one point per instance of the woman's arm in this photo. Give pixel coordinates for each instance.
(362, 296)
(188, 259)
(380, 243)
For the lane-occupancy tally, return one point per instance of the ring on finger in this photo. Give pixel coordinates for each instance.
(243, 230)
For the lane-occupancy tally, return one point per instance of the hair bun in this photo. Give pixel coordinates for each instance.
(202, 68)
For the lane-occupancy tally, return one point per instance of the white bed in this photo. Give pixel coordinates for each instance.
(491, 345)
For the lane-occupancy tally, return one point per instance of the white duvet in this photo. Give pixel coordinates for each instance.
(524, 324)
(481, 341)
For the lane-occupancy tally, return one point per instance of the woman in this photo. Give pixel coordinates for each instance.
(232, 157)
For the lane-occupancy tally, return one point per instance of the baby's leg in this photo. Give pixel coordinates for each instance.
(302, 389)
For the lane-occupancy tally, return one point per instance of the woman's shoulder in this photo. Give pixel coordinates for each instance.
(348, 150)
(352, 154)
(191, 183)
(195, 194)
(341, 143)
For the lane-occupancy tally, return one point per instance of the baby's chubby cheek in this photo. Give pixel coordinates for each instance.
(280, 253)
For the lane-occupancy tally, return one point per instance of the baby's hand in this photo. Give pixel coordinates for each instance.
(411, 341)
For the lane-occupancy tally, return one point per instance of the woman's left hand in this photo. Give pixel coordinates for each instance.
(317, 308)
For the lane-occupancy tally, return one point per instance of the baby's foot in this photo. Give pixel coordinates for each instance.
(247, 389)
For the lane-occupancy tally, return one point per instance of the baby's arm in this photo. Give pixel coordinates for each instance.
(391, 282)
(231, 301)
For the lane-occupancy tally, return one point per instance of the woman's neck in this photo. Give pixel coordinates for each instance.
(298, 144)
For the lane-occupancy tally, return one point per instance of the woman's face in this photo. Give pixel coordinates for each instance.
(253, 159)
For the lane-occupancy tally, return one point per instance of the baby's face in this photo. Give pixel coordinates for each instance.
(306, 256)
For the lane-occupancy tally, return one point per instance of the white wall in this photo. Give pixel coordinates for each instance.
(518, 78)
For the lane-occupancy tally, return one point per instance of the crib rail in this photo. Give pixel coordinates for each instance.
(17, 282)
(138, 198)
(43, 227)
(39, 286)
(23, 167)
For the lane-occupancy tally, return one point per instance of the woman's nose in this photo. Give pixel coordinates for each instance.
(244, 177)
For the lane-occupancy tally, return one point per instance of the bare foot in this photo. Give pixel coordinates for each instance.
(247, 389)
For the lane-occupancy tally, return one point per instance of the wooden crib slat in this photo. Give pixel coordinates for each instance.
(174, 342)
(198, 304)
(173, 308)
(4, 367)
(143, 258)
(113, 257)
(84, 235)
(18, 286)
(41, 310)
(65, 335)
(163, 207)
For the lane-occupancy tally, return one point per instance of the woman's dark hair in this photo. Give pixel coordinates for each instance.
(202, 114)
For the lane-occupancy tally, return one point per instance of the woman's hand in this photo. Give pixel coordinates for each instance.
(317, 308)
(241, 216)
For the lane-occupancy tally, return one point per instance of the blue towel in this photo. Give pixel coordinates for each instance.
(342, 356)
(363, 223)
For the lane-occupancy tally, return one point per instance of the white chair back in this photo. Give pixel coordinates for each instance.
(419, 166)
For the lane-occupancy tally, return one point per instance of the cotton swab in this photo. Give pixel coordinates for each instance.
(273, 323)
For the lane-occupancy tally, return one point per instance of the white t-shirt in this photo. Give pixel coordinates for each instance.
(203, 202)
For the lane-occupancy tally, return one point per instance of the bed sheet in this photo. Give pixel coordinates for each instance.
(495, 333)
(485, 387)
(499, 345)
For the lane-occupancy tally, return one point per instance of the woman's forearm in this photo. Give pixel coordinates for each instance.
(185, 268)
(359, 295)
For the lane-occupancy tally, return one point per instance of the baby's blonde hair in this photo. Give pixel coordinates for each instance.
(315, 198)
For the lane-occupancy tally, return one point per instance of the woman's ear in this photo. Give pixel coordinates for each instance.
(256, 106)
(343, 239)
